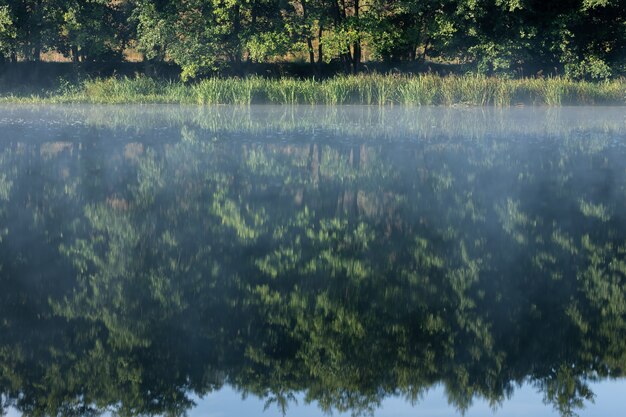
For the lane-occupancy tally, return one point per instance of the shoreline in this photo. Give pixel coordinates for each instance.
(381, 90)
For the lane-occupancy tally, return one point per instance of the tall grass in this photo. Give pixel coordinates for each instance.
(379, 90)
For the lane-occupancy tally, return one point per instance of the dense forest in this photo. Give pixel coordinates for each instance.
(346, 270)
(576, 38)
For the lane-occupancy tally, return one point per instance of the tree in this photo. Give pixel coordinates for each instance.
(7, 31)
(94, 30)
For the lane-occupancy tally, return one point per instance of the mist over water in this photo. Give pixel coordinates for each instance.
(345, 257)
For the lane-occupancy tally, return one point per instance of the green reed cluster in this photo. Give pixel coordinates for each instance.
(412, 90)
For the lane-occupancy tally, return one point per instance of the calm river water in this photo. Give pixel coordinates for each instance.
(157, 260)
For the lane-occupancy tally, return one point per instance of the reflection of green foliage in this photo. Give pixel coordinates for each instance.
(565, 390)
(5, 187)
(591, 210)
(348, 271)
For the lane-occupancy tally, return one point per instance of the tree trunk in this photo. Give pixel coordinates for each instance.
(320, 52)
(339, 14)
(74, 54)
(237, 46)
(37, 27)
(253, 14)
(356, 56)
(356, 47)
(37, 53)
(336, 13)
(347, 61)
(309, 42)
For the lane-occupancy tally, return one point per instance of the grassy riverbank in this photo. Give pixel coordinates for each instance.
(365, 89)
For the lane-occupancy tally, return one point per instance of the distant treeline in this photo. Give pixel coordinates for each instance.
(576, 38)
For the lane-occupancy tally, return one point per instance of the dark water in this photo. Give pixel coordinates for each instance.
(343, 257)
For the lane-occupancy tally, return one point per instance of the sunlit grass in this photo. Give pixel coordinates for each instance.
(416, 90)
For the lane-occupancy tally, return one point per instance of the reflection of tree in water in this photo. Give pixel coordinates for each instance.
(348, 271)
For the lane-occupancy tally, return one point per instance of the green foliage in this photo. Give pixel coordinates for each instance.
(267, 45)
(92, 31)
(589, 67)
(180, 26)
(338, 41)
(7, 30)
(581, 39)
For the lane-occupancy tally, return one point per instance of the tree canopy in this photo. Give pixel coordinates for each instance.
(578, 38)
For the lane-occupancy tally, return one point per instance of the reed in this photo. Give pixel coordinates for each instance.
(373, 89)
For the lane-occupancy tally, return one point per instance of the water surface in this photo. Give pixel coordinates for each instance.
(159, 260)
